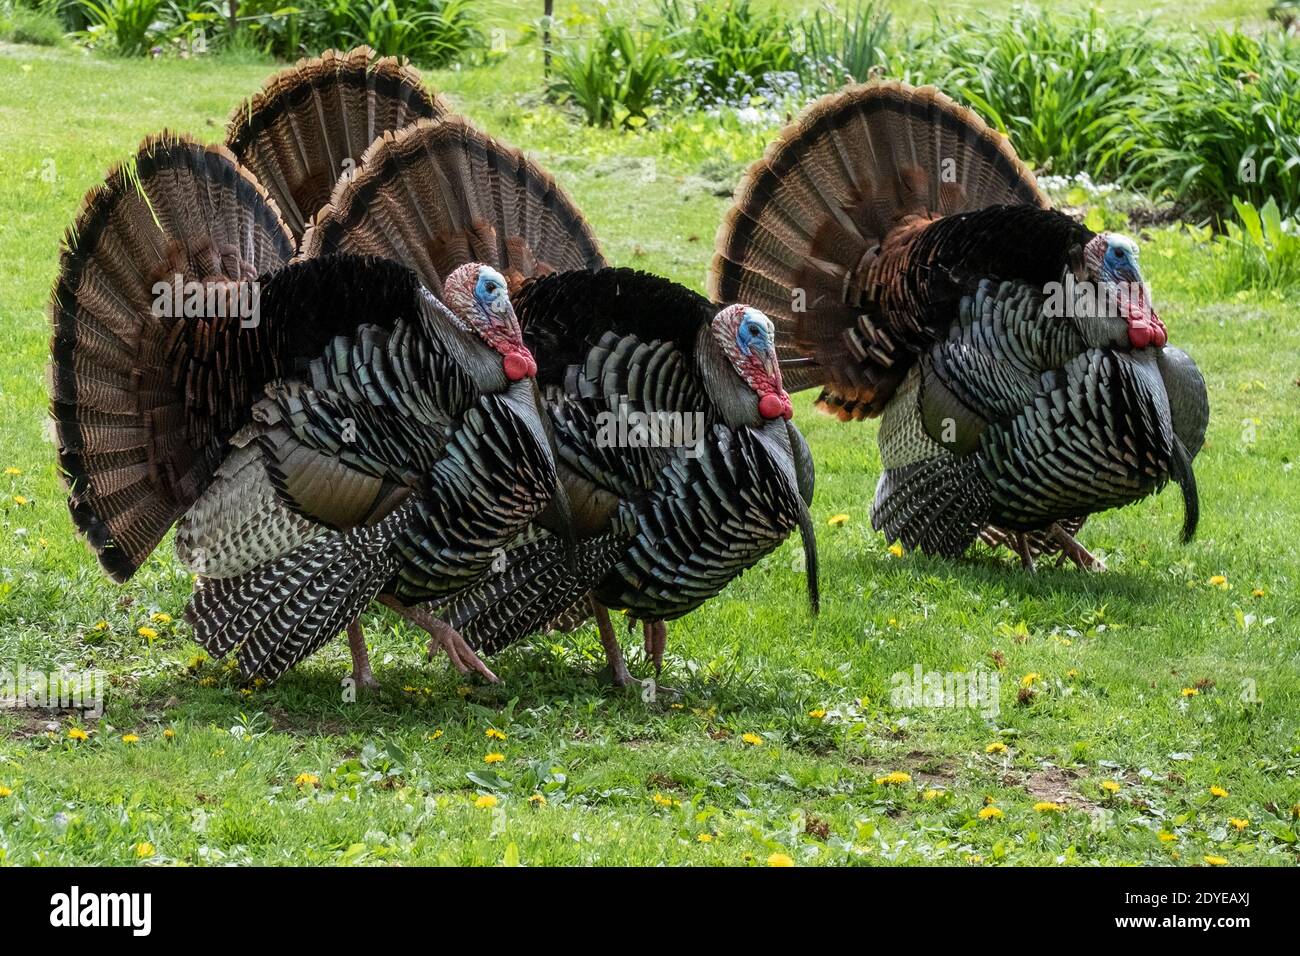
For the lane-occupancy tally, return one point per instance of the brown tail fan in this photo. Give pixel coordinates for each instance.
(137, 435)
(311, 123)
(808, 237)
(436, 195)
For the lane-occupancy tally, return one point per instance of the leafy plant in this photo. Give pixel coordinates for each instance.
(729, 48)
(1262, 249)
(1226, 126)
(1063, 87)
(20, 24)
(843, 47)
(129, 27)
(615, 75)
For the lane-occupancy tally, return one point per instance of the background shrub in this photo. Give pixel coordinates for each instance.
(1224, 125)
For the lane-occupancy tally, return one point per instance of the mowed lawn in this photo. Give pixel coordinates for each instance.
(1125, 697)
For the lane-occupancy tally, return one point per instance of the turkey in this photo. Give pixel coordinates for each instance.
(325, 432)
(664, 520)
(915, 272)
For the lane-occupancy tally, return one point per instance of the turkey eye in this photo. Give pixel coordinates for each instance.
(1119, 253)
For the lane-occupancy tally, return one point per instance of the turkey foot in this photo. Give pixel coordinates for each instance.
(1024, 550)
(1076, 552)
(619, 674)
(442, 636)
(656, 639)
(361, 674)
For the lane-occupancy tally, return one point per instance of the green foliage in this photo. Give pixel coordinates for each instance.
(615, 75)
(432, 33)
(729, 48)
(1225, 124)
(126, 27)
(845, 47)
(1261, 250)
(1060, 85)
(21, 24)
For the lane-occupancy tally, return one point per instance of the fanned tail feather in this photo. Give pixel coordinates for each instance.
(439, 194)
(311, 123)
(139, 429)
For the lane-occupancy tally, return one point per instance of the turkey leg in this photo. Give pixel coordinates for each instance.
(613, 652)
(442, 636)
(656, 639)
(1023, 548)
(361, 674)
(1076, 552)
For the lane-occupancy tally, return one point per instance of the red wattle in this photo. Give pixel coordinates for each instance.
(775, 405)
(519, 365)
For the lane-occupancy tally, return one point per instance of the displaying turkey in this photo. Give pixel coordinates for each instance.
(325, 432)
(915, 272)
(663, 524)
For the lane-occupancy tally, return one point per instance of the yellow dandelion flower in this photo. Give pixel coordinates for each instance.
(148, 633)
(1218, 581)
(5, 792)
(1071, 674)
(1215, 860)
(931, 795)
(754, 740)
(486, 802)
(1047, 806)
(144, 850)
(836, 520)
(20, 500)
(1239, 823)
(493, 734)
(160, 617)
(990, 813)
(1167, 837)
(130, 738)
(76, 733)
(436, 734)
(896, 550)
(169, 734)
(208, 681)
(705, 838)
(494, 758)
(1217, 791)
(13, 472)
(816, 713)
(661, 801)
(1258, 592)
(1190, 692)
(893, 779)
(306, 780)
(1029, 679)
(1110, 786)
(779, 859)
(997, 747)
(101, 625)
(537, 800)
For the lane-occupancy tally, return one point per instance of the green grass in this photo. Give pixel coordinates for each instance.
(1114, 652)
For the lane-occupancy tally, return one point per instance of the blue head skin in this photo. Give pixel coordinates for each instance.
(1112, 262)
(490, 291)
(480, 303)
(755, 334)
(748, 338)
